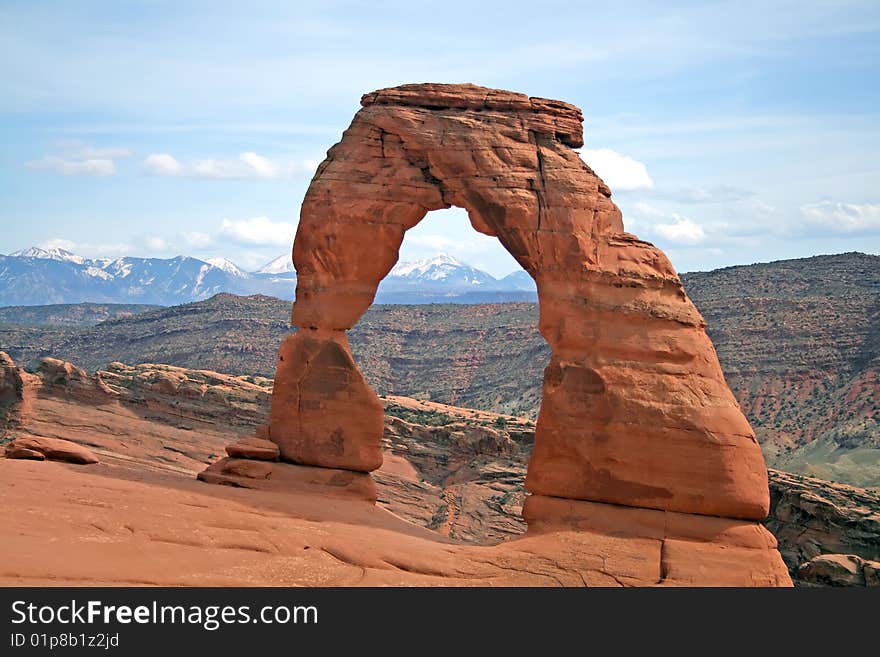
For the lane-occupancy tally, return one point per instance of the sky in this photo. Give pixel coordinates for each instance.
(729, 132)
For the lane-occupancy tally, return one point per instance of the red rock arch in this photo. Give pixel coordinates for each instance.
(635, 408)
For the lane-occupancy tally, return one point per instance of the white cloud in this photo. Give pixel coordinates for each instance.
(469, 243)
(253, 260)
(88, 249)
(681, 231)
(837, 217)
(262, 166)
(248, 165)
(647, 210)
(58, 243)
(197, 239)
(620, 173)
(162, 164)
(93, 167)
(156, 243)
(671, 226)
(258, 231)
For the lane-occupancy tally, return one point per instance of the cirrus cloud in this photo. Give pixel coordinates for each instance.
(80, 150)
(66, 167)
(707, 195)
(77, 158)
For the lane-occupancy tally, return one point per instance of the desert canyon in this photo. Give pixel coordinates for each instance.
(641, 470)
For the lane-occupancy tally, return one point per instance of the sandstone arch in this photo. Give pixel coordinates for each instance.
(635, 408)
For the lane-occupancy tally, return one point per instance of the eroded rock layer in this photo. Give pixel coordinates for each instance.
(635, 408)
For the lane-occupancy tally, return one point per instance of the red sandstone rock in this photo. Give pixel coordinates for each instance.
(636, 410)
(53, 449)
(69, 380)
(689, 548)
(254, 448)
(840, 570)
(323, 412)
(110, 526)
(143, 499)
(14, 452)
(289, 478)
(10, 381)
(55, 371)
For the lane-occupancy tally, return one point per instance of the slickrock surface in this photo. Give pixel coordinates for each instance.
(635, 407)
(458, 471)
(289, 478)
(116, 526)
(149, 416)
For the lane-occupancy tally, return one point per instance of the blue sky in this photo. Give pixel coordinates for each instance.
(730, 132)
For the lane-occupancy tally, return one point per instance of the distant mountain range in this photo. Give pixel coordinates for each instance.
(38, 276)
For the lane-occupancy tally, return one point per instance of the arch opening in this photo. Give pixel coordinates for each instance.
(448, 272)
(450, 231)
(475, 423)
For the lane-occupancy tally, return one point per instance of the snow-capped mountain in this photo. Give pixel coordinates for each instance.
(519, 280)
(440, 279)
(38, 276)
(280, 265)
(441, 270)
(228, 266)
(49, 254)
(435, 267)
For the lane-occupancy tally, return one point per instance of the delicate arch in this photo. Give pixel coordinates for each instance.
(635, 408)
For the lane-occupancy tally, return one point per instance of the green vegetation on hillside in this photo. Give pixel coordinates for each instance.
(70, 314)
